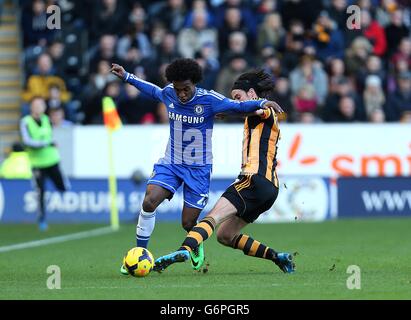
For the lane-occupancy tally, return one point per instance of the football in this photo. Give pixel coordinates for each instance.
(138, 262)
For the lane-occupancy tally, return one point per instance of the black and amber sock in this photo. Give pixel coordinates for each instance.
(253, 248)
(200, 233)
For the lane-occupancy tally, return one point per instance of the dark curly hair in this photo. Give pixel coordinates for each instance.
(184, 69)
(259, 80)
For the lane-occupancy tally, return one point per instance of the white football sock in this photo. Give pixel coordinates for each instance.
(145, 227)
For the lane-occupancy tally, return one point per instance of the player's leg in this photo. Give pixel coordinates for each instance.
(229, 234)
(39, 186)
(222, 210)
(189, 217)
(60, 182)
(196, 189)
(154, 196)
(162, 185)
(200, 233)
(251, 198)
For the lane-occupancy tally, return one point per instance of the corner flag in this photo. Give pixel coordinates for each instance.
(112, 122)
(111, 118)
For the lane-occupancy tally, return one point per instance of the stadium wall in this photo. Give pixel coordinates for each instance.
(326, 171)
(369, 150)
(301, 198)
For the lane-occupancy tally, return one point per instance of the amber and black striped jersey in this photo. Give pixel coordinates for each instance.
(261, 134)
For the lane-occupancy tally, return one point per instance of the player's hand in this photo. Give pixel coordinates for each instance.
(118, 70)
(274, 105)
(278, 110)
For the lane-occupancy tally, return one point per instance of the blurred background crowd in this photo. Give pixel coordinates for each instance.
(324, 70)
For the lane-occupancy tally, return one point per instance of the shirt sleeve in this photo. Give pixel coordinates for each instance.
(148, 88)
(223, 104)
(28, 140)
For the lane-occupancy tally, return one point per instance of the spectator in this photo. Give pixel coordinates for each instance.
(56, 52)
(191, 40)
(247, 16)
(157, 33)
(106, 50)
(310, 72)
(400, 101)
(237, 45)
(34, 23)
(338, 13)
(233, 23)
(235, 67)
(266, 7)
(99, 80)
(137, 108)
(55, 101)
(399, 67)
(384, 11)
(346, 112)
(129, 49)
(356, 55)
(272, 65)
(403, 53)
(305, 99)
(342, 88)
(373, 96)
(108, 18)
(304, 10)
(373, 67)
(167, 50)
(294, 44)
(374, 33)
(328, 40)
(271, 33)
(138, 25)
(38, 84)
(336, 73)
(395, 31)
(92, 108)
(58, 118)
(210, 66)
(199, 5)
(173, 14)
(283, 96)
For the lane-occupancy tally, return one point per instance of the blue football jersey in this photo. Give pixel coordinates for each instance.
(191, 123)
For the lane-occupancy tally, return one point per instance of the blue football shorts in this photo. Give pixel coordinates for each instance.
(196, 182)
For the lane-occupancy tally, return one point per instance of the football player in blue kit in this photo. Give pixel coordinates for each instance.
(188, 157)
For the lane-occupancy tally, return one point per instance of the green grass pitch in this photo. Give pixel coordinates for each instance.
(90, 267)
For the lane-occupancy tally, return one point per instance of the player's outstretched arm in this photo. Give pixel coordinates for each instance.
(148, 88)
(271, 105)
(221, 104)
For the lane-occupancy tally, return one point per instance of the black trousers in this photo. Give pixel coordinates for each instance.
(40, 176)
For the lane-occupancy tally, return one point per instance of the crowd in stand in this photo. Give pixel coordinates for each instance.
(327, 67)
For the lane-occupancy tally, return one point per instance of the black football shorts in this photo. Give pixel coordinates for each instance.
(252, 195)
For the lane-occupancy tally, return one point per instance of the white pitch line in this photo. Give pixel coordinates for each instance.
(68, 237)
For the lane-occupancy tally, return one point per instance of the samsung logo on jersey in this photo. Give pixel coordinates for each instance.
(185, 119)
